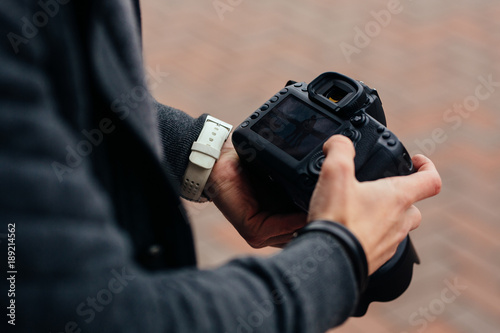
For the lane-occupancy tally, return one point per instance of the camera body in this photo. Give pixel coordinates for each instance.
(282, 141)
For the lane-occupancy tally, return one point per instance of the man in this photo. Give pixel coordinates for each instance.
(91, 170)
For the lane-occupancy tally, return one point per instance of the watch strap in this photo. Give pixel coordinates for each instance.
(205, 151)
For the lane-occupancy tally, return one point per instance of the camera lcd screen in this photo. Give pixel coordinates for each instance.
(295, 127)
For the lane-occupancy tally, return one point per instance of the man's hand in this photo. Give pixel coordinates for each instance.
(242, 204)
(380, 213)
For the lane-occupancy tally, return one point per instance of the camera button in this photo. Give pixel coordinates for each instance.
(380, 129)
(316, 163)
(298, 85)
(264, 107)
(358, 120)
(255, 115)
(283, 91)
(245, 124)
(386, 135)
(306, 181)
(155, 251)
(391, 142)
(274, 99)
(320, 161)
(349, 133)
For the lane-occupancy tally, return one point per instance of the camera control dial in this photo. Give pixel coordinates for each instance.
(316, 163)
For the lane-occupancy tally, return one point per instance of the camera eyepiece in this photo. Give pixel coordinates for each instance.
(338, 92)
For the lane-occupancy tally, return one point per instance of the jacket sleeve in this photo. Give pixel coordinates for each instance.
(178, 131)
(308, 287)
(76, 271)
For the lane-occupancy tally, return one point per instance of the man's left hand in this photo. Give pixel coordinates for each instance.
(236, 197)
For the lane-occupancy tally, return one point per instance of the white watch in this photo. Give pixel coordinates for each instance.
(204, 153)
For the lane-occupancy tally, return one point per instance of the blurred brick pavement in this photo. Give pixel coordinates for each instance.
(428, 60)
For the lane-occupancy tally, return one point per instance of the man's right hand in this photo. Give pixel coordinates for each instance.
(380, 213)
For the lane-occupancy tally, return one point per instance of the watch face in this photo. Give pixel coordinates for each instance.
(295, 127)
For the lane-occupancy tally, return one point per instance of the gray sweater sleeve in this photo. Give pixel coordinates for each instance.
(308, 287)
(76, 267)
(178, 131)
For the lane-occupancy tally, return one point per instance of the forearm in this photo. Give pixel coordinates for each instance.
(308, 287)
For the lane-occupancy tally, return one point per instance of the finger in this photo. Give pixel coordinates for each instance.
(276, 225)
(423, 184)
(339, 161)
(340, 143)
(414, 217)
(280, 241)
(422, 163)
(267, 229)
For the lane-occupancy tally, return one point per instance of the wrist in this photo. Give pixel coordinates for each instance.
(205, 151)
(350, 243)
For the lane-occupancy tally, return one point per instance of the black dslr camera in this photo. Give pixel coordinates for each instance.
(282, 142)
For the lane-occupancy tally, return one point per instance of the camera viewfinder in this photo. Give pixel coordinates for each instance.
(338, 92)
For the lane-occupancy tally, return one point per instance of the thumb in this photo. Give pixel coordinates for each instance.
(336, 177)
(339, 161)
